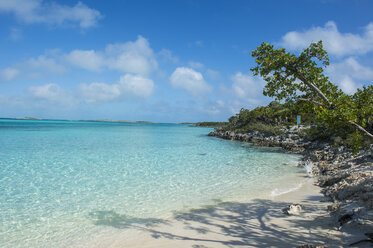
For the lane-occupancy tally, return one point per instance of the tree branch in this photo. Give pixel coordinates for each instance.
(361, 129)
(310, 100)
(309, 84)
(315, 89)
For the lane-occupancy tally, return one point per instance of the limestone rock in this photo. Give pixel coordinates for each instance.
(293, 209)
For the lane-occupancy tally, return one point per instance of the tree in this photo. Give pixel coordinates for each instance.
(300, 78)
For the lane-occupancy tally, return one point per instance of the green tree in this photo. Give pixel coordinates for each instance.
(300, 78)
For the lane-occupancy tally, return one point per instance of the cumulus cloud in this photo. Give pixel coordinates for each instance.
(128, 85)
(37, 11)
(99, 92)
(52, 93)
(352, 67)
(8, 74)
(336, 43)
(136, 85)
(348, 74)
(86, 59)
(247, 87)
(347, 84)
(189, 80)
(33, 67)
(44, 63)
(131, 57)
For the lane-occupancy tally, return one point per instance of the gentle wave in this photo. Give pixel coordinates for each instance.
(277, 192)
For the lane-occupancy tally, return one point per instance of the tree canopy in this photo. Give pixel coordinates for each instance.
(292, 77)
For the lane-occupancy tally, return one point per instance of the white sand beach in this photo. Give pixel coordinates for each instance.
(258, 223)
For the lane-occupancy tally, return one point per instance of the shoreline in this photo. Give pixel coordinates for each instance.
(256, 223)
(260, 222)
(345, 179)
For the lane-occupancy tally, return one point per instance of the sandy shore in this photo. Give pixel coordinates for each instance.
(258, 223)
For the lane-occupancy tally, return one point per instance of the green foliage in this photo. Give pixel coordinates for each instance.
(286, 74)
(300, 78)
(267, 120)
(268, 130)
(210, 124)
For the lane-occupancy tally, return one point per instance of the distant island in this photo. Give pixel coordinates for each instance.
(123, 121)
(26, 118)
(205, 124)
(35, 118)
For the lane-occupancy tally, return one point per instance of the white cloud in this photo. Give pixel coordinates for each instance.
(8, 74)
(348, 85)
(348, 74)
(131, 57)
(212, 74)
(128, 85)
(189, 80)
(99, 92)
(247, 87)
(44, 63)
(33, 67)
(37, 11)
(87, 59)
(335, 42)
(351, 67)
(136, 85)
(213, 107)
(168, 56)
(195, 65)
(52, 93)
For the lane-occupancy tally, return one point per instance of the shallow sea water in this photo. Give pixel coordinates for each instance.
(58, 178)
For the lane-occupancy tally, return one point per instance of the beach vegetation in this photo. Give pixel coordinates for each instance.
(295, 79)
(210, 124)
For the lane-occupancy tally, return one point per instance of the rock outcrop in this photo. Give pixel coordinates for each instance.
(347, 180)
(289, 140)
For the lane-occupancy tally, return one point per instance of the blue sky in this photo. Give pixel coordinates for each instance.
(165, 61)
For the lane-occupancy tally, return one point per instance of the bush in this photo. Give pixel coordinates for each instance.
(268, 130)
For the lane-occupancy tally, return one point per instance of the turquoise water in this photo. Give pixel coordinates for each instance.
(57, 176)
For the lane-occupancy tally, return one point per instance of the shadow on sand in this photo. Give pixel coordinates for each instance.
(229, 225)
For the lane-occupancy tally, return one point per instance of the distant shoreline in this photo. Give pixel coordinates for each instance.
(40, 119)
(194, 124)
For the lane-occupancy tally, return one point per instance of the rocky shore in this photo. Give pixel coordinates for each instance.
(346, 179)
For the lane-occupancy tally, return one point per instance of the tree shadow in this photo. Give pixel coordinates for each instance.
(121, 221)
(231, 224)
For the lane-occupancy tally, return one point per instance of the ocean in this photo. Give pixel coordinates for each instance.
(57, 178)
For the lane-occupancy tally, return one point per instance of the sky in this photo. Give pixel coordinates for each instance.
(165, 61)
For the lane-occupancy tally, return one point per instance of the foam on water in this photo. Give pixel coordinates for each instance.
(62, 182)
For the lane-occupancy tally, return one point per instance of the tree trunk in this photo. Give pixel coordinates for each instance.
(319, 93)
